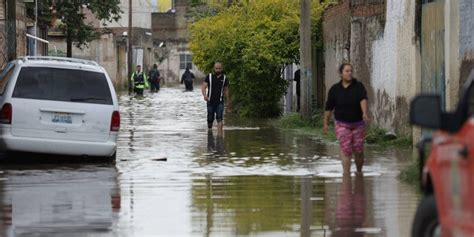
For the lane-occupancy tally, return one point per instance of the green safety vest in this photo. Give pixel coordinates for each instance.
(138, 84)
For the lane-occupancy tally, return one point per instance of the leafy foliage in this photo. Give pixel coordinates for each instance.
(254, 40)
(44, 13)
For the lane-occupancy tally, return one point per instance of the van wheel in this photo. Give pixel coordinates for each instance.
(426, 223)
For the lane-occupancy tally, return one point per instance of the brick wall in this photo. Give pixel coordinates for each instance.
(336, 11)
(374, 9)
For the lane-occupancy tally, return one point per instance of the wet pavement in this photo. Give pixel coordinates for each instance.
(174, 178)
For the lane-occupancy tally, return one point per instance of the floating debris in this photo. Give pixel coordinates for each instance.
(160, 159)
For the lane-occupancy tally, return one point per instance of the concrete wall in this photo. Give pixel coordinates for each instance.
(453, 84)
(21, 42)
(170, 66)
(459, 48)
(172, 29)
(142, 10)
(110, 51)
(337, 41)
(3, 49)
(102, 50)
(395, 68)
(466, 38)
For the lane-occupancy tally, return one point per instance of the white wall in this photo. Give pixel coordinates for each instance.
(142, 10)
(394, 63)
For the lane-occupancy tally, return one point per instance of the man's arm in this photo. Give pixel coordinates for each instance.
(204, 87)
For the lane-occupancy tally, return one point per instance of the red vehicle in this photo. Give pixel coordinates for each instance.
(447, 176)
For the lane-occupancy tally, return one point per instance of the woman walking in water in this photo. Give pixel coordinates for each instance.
(348, 100)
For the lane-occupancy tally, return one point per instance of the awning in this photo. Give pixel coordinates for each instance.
(37, 38)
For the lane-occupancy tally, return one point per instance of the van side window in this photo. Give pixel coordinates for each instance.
(5, 76)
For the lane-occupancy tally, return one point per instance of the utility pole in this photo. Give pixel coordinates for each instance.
(130, 47)
(36, 29)
(306, 59)
(11, 29)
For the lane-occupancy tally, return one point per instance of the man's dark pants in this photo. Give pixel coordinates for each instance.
(189, 85)
(139, 91)
(155, 86)
(215, 112)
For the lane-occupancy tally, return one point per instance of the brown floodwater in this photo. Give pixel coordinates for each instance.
(175, 178)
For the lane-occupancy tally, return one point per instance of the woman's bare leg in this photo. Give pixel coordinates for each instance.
(359, 160)
(346, 164)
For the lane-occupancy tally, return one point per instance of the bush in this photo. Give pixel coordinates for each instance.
(292, 121)
(411, 173)
(314, 126)
(254, 40)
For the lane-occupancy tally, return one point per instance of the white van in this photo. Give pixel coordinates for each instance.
(58, 106)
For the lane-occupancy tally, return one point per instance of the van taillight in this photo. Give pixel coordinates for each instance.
(115, 125)
(6, 114)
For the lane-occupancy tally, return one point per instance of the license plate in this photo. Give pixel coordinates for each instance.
(62, 118)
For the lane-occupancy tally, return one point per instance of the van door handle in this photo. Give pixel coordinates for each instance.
(464, 152)
(60, 130)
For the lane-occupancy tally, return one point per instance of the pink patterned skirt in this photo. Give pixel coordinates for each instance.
(351, 137)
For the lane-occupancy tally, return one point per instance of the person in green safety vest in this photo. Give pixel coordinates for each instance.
(139, 80)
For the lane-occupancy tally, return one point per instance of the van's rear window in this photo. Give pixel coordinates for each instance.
(43, 83)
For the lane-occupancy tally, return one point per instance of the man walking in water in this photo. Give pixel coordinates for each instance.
(154, 77)
(214, 89)
(139, 81)
(188, 79)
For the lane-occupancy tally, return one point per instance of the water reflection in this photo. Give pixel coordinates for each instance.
(245, 205)
(59, 201)
(351, 207)
(215, 144)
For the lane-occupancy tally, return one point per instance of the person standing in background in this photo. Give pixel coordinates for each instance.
(155, 79)
(297, 79)
(188, 79)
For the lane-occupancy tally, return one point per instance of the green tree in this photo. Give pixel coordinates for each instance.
(44, 13)
(78, 30)
(254, 40)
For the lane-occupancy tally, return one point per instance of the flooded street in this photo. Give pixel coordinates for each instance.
(174, 178)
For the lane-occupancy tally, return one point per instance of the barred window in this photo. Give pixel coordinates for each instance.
(185, 61)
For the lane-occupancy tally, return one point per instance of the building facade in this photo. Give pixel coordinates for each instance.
(13, 29)
(170, 37)
(110, 49)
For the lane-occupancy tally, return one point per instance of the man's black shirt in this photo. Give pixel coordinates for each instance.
(346, 101)
(216, 87)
